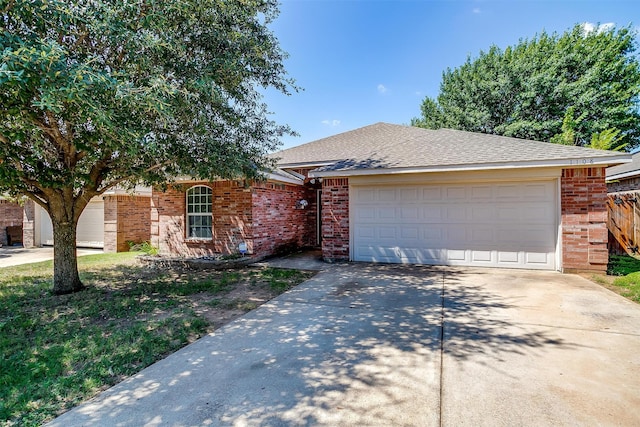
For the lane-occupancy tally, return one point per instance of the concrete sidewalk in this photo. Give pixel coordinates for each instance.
(17, 255)
(383, 345)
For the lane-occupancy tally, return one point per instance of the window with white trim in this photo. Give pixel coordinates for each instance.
(199, 219)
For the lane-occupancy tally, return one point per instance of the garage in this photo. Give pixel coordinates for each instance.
(90, 232)
(499, 224)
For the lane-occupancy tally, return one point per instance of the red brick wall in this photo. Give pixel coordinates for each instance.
(263, 216)
(277, 225)
(584, 219)
(335, 219)
(126, 219)
(231, 220)
(10, 216)
(630, 184)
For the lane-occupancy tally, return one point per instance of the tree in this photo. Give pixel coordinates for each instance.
(569, 124)
(608, 139)
(100, 93)
(525, 90)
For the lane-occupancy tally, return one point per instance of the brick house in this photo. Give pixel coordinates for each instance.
(400, 194)
(109, 221)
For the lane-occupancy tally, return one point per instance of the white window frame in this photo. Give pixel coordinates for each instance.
(200, 211)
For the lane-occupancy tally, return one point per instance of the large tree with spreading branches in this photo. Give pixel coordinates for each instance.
(529, 89)
(102, 93)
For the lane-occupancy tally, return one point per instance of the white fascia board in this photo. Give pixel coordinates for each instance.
(281, 178)
(139, 190)
(623, 175)
(267, 175)
(295, 174)
(577, 163)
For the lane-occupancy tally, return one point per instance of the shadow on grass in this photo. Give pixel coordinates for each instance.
(58, 350)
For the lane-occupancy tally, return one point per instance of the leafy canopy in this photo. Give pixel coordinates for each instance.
(99, 93)
(94, 93)
(526, 90)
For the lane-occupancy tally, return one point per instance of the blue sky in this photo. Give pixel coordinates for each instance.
(361, 62)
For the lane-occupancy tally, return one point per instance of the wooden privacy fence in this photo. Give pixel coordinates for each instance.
(624, 222)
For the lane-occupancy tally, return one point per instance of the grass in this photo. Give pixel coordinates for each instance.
(628, 270)
(621, 265)
(58, 351)
(623, 276)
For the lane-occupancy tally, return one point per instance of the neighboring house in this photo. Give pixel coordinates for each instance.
(623, 206)
(108, 222)
(400, 194)
(625, 177)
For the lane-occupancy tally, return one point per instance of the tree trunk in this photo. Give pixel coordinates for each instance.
(65, 260)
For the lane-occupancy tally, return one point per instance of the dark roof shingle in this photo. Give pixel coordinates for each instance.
(390, 146)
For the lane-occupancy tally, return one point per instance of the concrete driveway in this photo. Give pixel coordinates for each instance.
(17, 255)
(378, 345)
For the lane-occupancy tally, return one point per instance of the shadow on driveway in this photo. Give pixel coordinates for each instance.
(358, 344)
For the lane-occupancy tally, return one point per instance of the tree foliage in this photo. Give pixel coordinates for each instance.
(99, 93)
(525, 90)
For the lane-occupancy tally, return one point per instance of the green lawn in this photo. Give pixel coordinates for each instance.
(58, 351)
(628, 270)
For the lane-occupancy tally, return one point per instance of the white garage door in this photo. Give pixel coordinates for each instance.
(492, 225)
(90, 232)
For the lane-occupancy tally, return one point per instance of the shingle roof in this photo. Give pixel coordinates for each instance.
(626, 169)
(389, 146)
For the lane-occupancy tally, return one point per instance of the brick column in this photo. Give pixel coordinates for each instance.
(584, 220)
(126, 219)
(335, 219)
(29, 224)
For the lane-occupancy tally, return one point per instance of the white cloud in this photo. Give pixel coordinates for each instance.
(590, 27)
(382, 88)
(476, 10)
(331, 123)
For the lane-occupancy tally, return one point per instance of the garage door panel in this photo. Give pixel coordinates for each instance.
(537, 258)
(455, 214)
(459, 193)
(456, 254)
(483, 214)
(500, 224)
(411, 212)
(387, 233)
(432, 214)
(482, 256)
(481, 193)
(410, 195)
(510, 192)
(431, 194)
(506, 257)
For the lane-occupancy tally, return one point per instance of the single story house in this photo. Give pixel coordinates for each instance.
(400, 194)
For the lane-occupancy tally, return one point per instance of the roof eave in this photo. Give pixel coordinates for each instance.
(303, 165)
(559, 163)
(623, 175)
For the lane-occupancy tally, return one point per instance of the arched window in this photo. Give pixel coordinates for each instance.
(199, 219)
